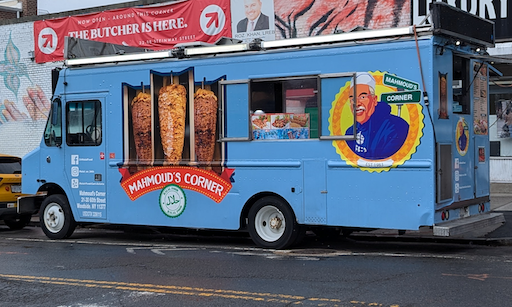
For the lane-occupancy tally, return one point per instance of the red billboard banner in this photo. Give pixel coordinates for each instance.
(155, 27)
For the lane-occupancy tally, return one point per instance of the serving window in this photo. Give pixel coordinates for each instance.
(284, 108)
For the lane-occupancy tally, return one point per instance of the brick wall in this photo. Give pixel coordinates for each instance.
(7, 15)
(29, 7)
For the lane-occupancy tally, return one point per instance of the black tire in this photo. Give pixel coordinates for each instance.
(272, 223)
(18, 222)
(56, 218)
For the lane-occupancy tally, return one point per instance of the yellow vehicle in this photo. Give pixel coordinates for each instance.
(10, 190)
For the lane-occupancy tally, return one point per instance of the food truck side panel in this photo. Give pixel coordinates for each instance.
(354, 190)
(382, 133)
(348, 195)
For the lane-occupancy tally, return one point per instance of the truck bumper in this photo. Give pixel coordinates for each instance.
(7, 209)
(29, 204)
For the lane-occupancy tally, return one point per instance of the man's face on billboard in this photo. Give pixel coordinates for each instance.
(252, 8)
(365, 104)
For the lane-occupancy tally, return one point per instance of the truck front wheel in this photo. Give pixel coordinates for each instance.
(272, 223)
(56, 218)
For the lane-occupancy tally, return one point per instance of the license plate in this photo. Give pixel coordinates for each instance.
(11, 205)
(16, 188)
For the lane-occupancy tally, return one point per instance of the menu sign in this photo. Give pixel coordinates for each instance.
(480, 121)
(280, 126)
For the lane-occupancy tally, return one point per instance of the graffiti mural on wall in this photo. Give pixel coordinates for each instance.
(303, 18)
(24, 106)
(12, 70)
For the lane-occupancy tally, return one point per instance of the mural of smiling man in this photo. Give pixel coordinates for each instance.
(388, 116)
(380, 134)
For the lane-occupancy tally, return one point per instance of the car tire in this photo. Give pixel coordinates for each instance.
(18, 222)
(56, 218)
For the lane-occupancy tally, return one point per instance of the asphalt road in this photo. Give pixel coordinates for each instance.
(99, 267)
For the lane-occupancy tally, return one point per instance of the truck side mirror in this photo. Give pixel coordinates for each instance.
(55, 112)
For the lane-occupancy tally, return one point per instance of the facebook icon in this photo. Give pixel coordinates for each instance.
(74, 159)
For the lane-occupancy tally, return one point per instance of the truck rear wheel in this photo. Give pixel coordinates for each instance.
(272, 223)
(56, 218)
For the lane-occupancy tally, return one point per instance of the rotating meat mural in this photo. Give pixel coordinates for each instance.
(170, 136)
(205, 123)
(141, 118)
(172, 105)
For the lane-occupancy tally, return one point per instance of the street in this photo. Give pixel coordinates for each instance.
(142, 266)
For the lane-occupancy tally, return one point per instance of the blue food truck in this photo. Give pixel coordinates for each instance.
(373, 129)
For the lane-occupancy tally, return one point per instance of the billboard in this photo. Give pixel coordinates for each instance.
(253, 19)
(161, 27)
(154, 27)
(303, 18)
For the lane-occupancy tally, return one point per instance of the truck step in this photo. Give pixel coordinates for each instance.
(469, 225)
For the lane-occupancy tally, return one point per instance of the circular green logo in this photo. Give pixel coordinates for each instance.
(172, 200)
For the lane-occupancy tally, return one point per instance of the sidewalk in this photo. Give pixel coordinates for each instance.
(502, 203)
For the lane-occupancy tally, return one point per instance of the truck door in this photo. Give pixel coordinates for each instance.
(463, 136)
(471, 143)
(52, 154)
(84, 161)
